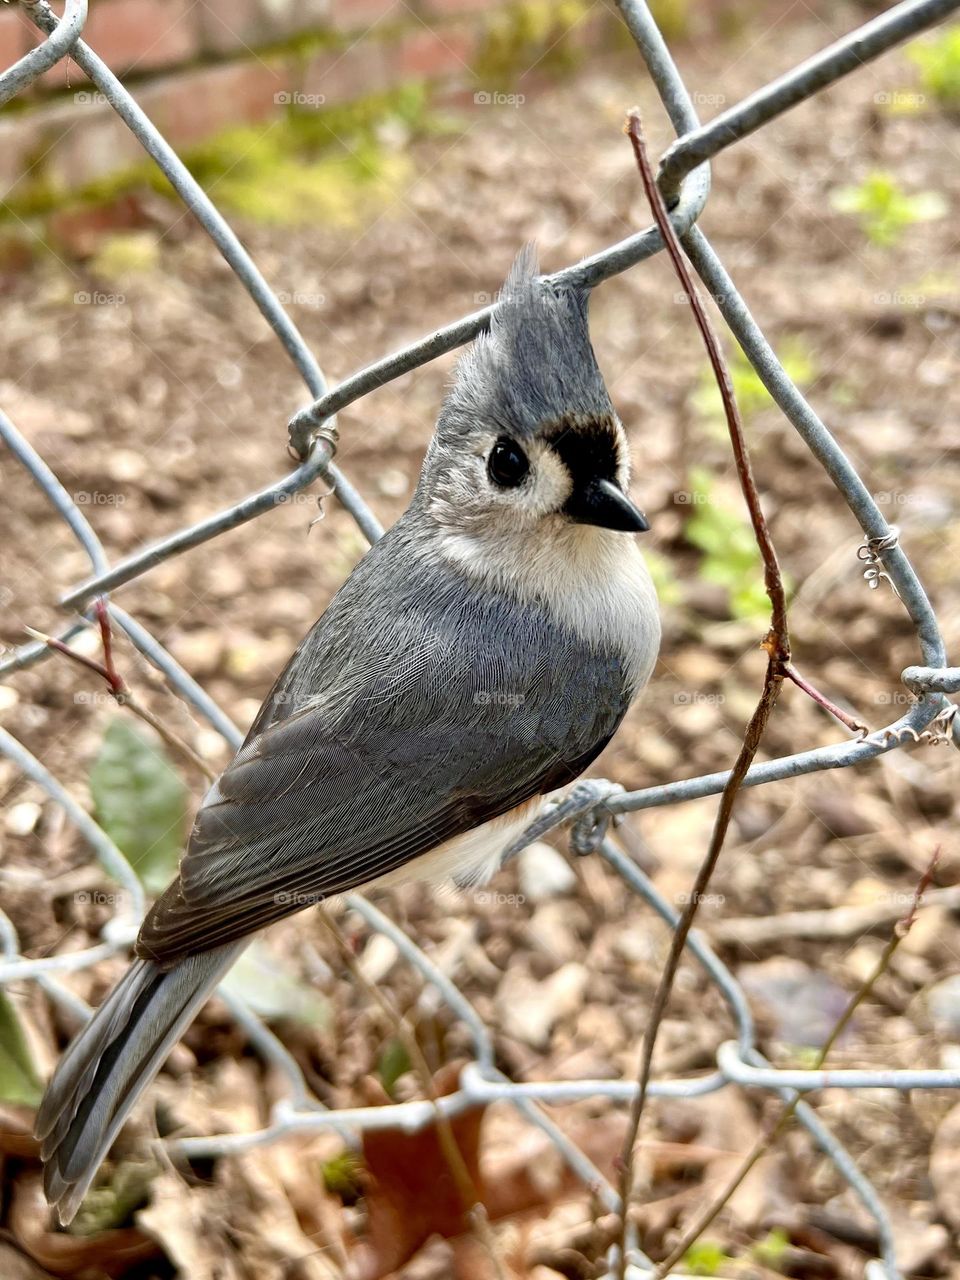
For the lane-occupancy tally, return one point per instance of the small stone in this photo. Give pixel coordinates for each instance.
(943, 1002)
(552, 930)
(528, 1010)
(125, 465)
(803, 1004)
(22, 818)
(379, 956)
(392, 483)
(544, 873)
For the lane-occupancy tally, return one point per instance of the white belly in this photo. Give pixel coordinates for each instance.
(471, 858)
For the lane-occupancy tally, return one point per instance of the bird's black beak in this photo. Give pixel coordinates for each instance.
(604, 504)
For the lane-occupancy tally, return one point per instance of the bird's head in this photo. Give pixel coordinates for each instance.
(528, 442)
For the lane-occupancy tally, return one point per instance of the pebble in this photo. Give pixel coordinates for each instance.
(379, 956)
(545, 873)
(551, 929)
(943, 1002)
(803, 1003)
(528, 1010)
(22, 818)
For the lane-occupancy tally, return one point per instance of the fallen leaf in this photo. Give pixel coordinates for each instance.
(19, 1081)
(109, 1252)
(945, 1167)
(141, 802)
(411, 1192)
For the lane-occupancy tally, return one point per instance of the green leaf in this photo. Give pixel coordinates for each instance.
(730, 556)
(271, 992)
(771, 1248)
(394, 1062)
(141, 802)
(19, 1081)
(705, 1258)
(884, 209)
(748, 390)
(938, 59)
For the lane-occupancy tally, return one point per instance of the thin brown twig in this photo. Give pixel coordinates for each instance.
(838, 713)
(773, 1132)
(120, 691)
(474, 1209)
(776, 644)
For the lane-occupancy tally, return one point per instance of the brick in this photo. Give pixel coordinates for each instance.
(190, 106)
(458, 8)
(31, 141)
(428, 54)
(342, 75)
(14, 37)
(132, 37)
(362, 15)
(95, 144)
(231, 26)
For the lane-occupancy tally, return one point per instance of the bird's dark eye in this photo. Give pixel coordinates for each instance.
(508, 464)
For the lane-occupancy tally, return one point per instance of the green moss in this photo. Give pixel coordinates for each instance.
(331, 165)
(342, 1176)
(126, 253)
(706, 1258)
(537, 33)
(884, 210)
(335, 164)
(938, 60)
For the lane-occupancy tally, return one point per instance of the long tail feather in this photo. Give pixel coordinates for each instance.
(111, 1062)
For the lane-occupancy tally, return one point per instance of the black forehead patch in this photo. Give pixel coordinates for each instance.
(588, 448)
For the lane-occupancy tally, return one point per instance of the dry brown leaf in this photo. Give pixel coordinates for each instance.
(412, 1193)
(110, 1252)
(15, 1265)
(945, 1167)
(189, 1223)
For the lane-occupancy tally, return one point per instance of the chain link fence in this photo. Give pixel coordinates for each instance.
(684, 180)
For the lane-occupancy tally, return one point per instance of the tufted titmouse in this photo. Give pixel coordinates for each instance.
(477, 659)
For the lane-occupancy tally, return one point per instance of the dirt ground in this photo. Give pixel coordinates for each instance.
(172, 403)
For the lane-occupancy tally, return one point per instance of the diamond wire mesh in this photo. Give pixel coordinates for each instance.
(685, 181)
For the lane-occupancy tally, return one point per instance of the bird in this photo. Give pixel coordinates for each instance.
(473, 664)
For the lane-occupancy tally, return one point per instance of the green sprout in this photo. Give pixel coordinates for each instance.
(938, 60)
(705, 1258)
(730, 556)
(884, 210)
(750, 393)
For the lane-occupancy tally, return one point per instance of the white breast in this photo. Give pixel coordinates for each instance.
(594, 581)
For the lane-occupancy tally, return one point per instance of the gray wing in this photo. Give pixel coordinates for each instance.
(426, 725)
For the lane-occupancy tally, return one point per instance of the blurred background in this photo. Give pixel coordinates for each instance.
(383, 162)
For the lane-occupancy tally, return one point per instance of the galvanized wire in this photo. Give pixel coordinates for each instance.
(685, 182)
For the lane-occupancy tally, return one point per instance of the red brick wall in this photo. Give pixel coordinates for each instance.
(199, 66)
